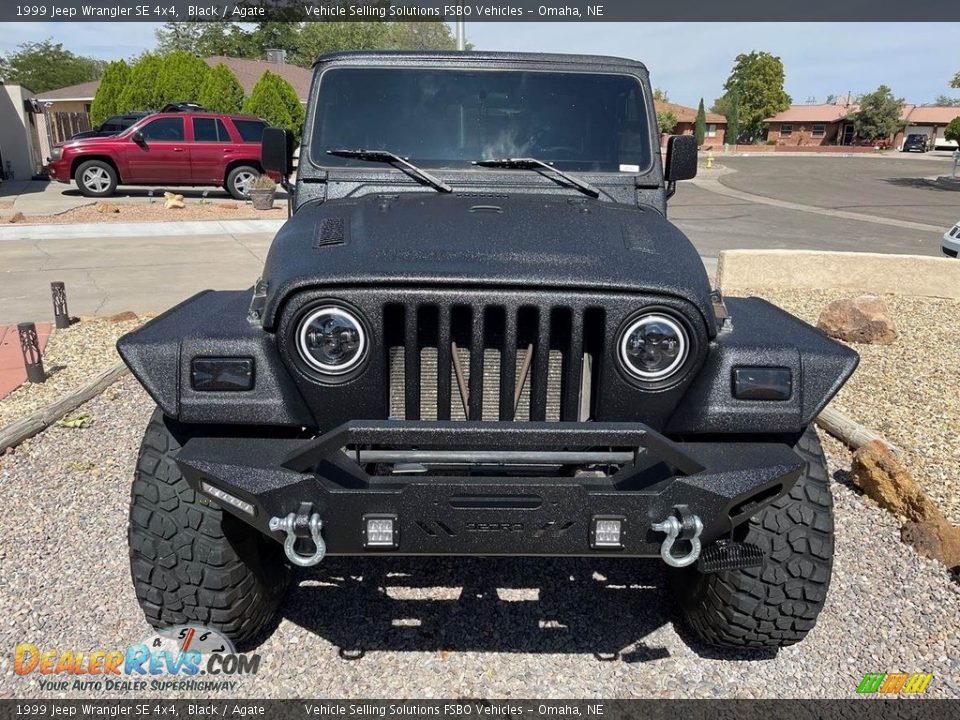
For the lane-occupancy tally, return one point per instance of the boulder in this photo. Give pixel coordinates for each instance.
(17, 218)
(881, 475)
(937, 541)
(863, 319)
(106, 208)
(124, 316)
(173, 201)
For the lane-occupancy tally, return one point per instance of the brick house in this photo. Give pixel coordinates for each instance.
(687, 119)
(811, 125)
(927, 120)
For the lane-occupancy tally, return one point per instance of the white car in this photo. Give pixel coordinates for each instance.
(950, 245)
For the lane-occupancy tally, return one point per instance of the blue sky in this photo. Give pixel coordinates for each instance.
(689, 60)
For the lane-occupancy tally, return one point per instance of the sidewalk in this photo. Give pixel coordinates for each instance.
(136, 229)
(12, 372)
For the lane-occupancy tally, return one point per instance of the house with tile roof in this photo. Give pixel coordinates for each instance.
(687, 118)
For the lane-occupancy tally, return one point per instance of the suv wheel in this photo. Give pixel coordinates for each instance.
(96, 178)
(192, 562)
(239, 179)
(776, 604)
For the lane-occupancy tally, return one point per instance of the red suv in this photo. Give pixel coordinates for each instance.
(194, 148)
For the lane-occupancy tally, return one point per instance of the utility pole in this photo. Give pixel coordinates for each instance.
(461, 36)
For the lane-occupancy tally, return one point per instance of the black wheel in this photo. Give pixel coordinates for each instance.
(192, 562)
(96, 178)
(239, 179)
(776, 604)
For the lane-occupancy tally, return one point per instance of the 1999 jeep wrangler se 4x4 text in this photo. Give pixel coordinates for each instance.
(478, 334)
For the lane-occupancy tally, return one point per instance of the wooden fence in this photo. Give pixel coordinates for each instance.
(65, 124)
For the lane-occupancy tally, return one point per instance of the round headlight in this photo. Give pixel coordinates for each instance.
(331, 340)
(653, 347)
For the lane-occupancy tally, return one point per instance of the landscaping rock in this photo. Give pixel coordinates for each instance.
(172, 201)
(124, 316)
(878, 472)
(229, 205)
(106, 208)
(863, 319)
(17, 218)
(938, 541)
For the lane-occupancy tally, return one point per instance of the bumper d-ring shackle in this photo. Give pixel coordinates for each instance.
(681, 525)
(302, 524)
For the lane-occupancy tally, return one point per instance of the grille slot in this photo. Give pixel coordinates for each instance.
(515, 364)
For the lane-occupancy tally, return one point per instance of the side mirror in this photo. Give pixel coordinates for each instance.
(137, 137)
(276, 151)
(681, 160)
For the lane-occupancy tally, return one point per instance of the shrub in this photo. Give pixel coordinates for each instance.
(106, 102)
(952, 131)
(221, 91)
(142, 91)
(181, 77)
(275, 100)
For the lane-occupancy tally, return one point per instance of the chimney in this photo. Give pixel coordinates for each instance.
(277, 56)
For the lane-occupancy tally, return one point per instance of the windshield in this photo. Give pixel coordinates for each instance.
(448, 118)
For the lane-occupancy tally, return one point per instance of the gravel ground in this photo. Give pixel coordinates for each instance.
(72, 357)
(906, 391)
(146, 211)
(459, 627)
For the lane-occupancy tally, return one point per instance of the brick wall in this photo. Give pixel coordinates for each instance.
(802, 134)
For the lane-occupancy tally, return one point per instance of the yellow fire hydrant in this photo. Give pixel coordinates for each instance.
(709, 160)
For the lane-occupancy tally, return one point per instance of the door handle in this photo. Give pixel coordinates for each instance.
(178, 149)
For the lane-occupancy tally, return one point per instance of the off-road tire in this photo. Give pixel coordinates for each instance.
(776, 604)
(105, 173)
(234, 176)
(192, 562)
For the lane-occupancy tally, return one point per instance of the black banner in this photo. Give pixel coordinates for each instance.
(477, 11)
(465, 709)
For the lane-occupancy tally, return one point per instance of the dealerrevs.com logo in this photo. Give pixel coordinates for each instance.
(183, 658)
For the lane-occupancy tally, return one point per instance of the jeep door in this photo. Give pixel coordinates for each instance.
(212, 148)
(162, 156)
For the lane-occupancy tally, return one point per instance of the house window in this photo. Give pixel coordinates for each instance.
(819, 130)
(711, 130)
(786, 130)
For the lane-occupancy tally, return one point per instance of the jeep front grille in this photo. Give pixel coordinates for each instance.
(491, 362)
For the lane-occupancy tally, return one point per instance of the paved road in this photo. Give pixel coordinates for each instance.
(106, 275)
(897, 187)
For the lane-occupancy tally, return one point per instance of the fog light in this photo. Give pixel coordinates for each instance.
(606, 532)
(380, 531)
(227, 498)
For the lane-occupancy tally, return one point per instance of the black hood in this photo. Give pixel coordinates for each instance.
(488, 240)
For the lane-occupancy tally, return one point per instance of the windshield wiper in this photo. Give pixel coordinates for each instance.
(534, 164)
(394, 159)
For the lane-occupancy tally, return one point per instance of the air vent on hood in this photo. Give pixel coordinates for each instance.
(330, 231)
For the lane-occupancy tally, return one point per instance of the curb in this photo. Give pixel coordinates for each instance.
(879, 273)
(39, 420)
(138, 229)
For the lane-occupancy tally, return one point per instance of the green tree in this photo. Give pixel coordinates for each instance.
(181, 77)
(733, 119)
(700, 124)
(221, 91)
(758, 79)
(143, 89)
(106, 102)
(433, 35)
(323, 37)
(43, 66)
(955, 82)
(667, 121)
(878, 117)
(275, 100)
(952, 130)
(660, 95)
(946, 101)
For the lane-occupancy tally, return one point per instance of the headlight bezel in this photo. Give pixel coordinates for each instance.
(309, 364)
(678, 370)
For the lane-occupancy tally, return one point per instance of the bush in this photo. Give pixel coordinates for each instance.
(952, 131)
(106, 102)
(275, 100)
(142, 91)
(181, 77)
(221, 91)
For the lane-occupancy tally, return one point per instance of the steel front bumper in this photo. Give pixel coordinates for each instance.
(550, 513)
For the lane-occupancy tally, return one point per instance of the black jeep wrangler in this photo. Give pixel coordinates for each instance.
(478, 334)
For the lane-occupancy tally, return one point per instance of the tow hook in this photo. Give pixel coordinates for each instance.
(685, 527)
(304, 525)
